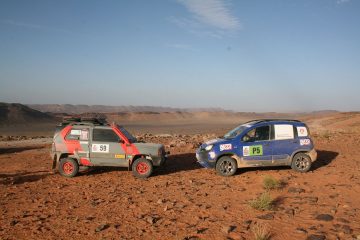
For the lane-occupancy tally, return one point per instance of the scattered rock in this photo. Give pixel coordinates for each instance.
(150, 219)
(201, 230)
(102, 227)
(14, 222)
(296, 190)
(325, 217)
(268, 216)
(346, 229)
(227, 229)
(316, 237)
(160, 201)
(300, 230)
(290, 212)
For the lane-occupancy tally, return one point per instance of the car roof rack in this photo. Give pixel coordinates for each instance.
(75, 120)
(273, 120)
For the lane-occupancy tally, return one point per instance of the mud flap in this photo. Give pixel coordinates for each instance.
(54, 165)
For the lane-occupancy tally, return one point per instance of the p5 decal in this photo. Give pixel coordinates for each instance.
(304, 142)
(224, 147)
(255, 150)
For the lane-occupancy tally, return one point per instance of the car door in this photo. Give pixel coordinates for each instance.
(106, 148)
(284, 142)
(256, 144)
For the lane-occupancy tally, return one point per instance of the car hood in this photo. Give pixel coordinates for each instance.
(215, 141)
(149, 148)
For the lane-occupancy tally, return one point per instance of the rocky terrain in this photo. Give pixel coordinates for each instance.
(183, 200)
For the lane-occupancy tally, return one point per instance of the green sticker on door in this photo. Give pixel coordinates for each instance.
(255, 150)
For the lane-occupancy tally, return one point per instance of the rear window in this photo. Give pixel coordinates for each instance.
(283, 131)
(78, 134)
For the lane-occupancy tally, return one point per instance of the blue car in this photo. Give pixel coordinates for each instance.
(260, 143)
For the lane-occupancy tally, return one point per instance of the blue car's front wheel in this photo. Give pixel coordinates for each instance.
(226, 166)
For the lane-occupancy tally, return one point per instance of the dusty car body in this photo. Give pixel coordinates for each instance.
(95, 143)
(260, 143)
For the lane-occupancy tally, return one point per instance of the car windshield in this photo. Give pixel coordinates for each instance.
(236, 131)
(128, 135)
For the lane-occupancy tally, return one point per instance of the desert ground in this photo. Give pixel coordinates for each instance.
(182, 200)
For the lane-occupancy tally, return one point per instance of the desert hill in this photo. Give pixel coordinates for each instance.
(15, 113)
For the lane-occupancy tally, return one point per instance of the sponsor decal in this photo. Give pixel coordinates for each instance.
(75, 132)
(100, 148)
(302, 131)
(305, 142)
(212, 155)
(84, 134)
(119, 155)
(284, 131)
(224, 147)
(246, 151)
(255, 150)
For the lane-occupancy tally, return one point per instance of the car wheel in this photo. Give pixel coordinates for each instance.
(68, 167)
(142, 168)
(301, 162)
(226, 166)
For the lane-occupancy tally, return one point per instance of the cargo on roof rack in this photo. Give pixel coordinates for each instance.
(84, 120)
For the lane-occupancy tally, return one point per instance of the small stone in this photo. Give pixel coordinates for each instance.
(102, 227)
(268, 216)
(325, 217)
(290, 212)
(301, 230)
(346, 229)
(150, 219)
(316, 237)
(14, 222)
(160, 201)
(201, 230)
(296, 190)
(227, 229)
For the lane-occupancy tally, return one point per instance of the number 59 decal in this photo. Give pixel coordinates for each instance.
(102, 148)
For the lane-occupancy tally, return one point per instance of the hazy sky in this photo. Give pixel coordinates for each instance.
(241, 55)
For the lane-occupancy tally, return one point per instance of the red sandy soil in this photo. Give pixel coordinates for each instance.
(183, 200)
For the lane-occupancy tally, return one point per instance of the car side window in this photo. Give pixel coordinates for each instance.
(105, 135)
(74, 134)
(257, 134)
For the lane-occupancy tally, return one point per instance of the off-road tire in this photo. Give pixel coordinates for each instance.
(226, 166)
(142, 168)
(301, 162)
(68, 167)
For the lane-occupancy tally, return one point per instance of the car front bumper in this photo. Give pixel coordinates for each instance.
(203, 159)
(313, 155)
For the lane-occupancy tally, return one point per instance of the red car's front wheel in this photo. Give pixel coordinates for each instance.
(142, 168)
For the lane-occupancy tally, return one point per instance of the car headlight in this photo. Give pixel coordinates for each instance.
(208, 147)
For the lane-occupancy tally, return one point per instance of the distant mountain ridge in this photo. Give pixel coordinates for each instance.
(79, 109)
(16, 113)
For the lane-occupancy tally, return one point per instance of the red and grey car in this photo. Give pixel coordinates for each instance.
(95, 143)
